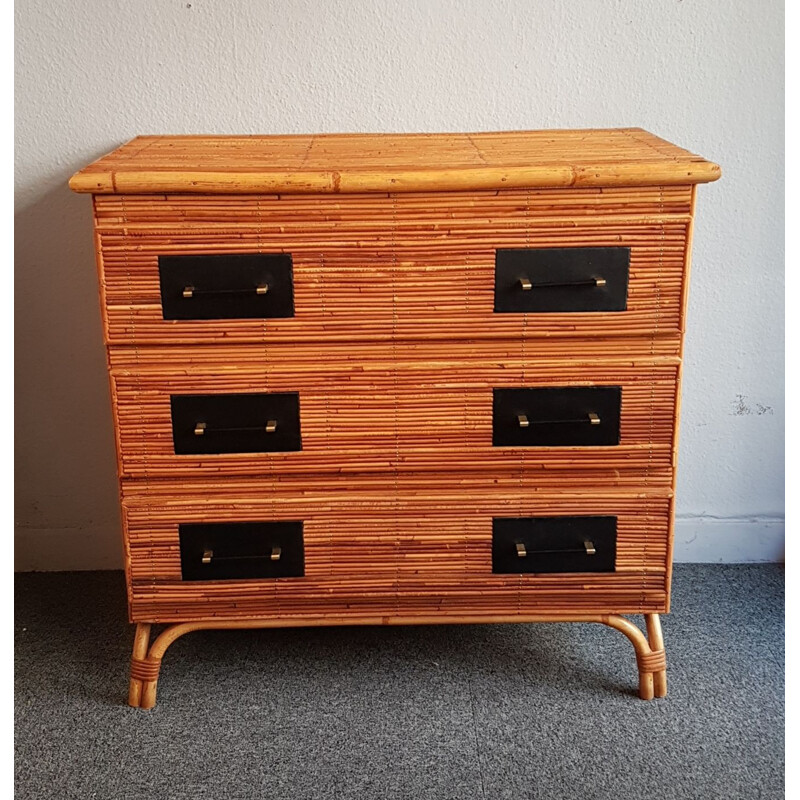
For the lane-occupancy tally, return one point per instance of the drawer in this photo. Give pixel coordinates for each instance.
(557, 416)
(241, 550)
(235, 423)
(389, 551)
(222, 286)
(547, 280)
(524, 545)
(406, 267)
(370, 410)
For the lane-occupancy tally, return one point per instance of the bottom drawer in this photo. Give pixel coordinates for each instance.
(542, 545)
(301, 556)
(240, 550)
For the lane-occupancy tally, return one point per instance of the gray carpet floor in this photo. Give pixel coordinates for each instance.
(487, 712)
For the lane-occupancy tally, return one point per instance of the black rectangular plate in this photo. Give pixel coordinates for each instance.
(225, 286)
(557, 416)
(554, 265)
(553, 544)
(223, 412)
(241, 550)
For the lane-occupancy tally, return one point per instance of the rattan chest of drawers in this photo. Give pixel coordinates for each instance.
(395, 379)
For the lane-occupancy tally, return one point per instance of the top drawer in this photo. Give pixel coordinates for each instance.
(509, 264)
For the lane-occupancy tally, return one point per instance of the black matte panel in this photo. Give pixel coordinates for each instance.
(235, 423)
(557, 416)
(554, 544)
(225, 286)
(575, 266)
(241, 550)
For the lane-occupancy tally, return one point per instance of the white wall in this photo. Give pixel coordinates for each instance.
(707, 75)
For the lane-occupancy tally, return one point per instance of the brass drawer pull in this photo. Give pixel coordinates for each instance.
(208, 555)
(526, 285)
(201, 428)
(587, 549)
(191, 291)
(524, 422)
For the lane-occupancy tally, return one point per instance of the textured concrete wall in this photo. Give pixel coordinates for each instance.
(705, 74)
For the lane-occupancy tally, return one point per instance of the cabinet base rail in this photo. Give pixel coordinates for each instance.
(146, 662)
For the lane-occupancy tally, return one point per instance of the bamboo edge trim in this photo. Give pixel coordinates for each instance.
(650, 655)
(641, 173)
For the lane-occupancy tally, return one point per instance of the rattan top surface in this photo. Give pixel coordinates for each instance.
(352, 163)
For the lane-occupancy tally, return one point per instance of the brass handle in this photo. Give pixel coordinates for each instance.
(588, 549)
(526, 285)
(201, 428)
(208, 555)
(524, 422)
(192, 291)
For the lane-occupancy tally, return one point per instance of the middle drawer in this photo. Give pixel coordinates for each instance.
(289, 410)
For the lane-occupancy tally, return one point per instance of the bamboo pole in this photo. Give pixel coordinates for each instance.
(141, 641)
(656, 640)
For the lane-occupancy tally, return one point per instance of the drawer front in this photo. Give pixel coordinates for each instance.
(553, 544)
(392, 552)
(361, 410)
(556, 416)
(241, 550)
(223, 286)
(566, 279)
(406, 267)
(235, 423)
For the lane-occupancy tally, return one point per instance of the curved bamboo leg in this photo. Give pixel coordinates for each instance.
(650, 657)
(140, 641)
(656, 638)
(642, 648)
(163, 641)
(151, 683)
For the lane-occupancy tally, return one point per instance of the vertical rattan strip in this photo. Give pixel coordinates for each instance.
(395, 472)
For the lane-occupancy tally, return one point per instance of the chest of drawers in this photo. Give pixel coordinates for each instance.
(395, 379)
